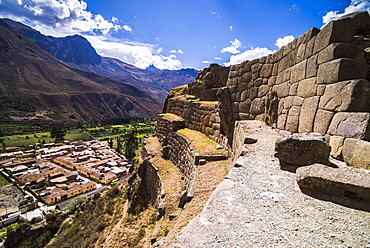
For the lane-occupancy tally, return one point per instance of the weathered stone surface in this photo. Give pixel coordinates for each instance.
(302, 149)
(339, 50)
(311, 69)
(257, 106)
(309, 47)
(322, 121)
(282, 90)
(350, 182)
(351, 125)
(336, 31)
(292, 120)
(357, 153)
(300, 52)
(263, 90)
(307, 87)
(336, 144)
(341, 70)
(266, 70)
(298, 72)
(281, 121)
(307, 115)
(353, 95)
(245, 106)
(298, 101)
(362, 21)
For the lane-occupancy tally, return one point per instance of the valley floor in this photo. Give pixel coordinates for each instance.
(261, 205)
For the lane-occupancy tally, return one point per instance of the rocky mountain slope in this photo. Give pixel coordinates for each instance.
(78, 53)
(33, 80)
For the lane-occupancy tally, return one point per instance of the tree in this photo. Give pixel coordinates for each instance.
(131, 144)
(58, 133)
(110, 142)
(119, 144)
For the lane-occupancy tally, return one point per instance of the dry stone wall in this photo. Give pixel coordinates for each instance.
(317, 83)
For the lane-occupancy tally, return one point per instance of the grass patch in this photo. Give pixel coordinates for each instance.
(3, 181)
(201, 143)
(172, 117)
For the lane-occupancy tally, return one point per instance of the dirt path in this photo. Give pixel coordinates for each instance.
(260, 205)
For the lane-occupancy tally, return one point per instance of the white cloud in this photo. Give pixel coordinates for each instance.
(248, 55)
(66, 16)
(280, 42)
(206, 62)
(231, 28)
(173, 51)
(233, 48)
(215, 13)
(139, 54)
(355, 5)
(218, 58)
(114, 19)
(180, 51)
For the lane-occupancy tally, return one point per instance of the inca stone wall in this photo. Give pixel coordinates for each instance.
(316, 83)
(197, 103)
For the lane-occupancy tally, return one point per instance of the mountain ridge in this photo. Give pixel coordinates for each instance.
(32, 77)
(77, 52)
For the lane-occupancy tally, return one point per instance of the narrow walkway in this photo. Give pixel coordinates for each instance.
(260, 205)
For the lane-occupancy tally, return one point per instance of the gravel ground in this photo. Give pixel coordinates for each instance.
(260, 205)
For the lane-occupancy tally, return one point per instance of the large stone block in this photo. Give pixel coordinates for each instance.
(302, 149)
(281, 121)
(352, 95)
(300, 52)
(339, 50)
(351, 125)
(307, 88)
(336, 31)
(357, 153)
(340, 70)
(257, 106)
(309, 47)
(311, 69)
(322, 121)
(362, 21)
(348, 182)
(336, 144)
(307, 115)
(266, 70)
(282, 90)
(293, 118)
(298, 72)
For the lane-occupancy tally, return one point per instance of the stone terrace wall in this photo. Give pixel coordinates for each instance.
(181, 154)
(316, 83)
(151, 181)
(197, 102)
(166, 124)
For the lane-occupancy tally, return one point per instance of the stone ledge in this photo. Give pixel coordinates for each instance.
(347, 181)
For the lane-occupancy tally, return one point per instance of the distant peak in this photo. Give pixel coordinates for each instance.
(152, 68)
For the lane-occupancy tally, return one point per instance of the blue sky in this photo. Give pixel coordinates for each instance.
(174, 34)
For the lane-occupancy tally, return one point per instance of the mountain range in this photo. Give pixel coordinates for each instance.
(32, 81)
(77, 52)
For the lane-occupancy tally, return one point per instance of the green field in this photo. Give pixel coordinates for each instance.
(41, 137)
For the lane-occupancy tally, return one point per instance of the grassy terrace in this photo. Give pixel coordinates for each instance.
(201, 143)
(172, 117)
